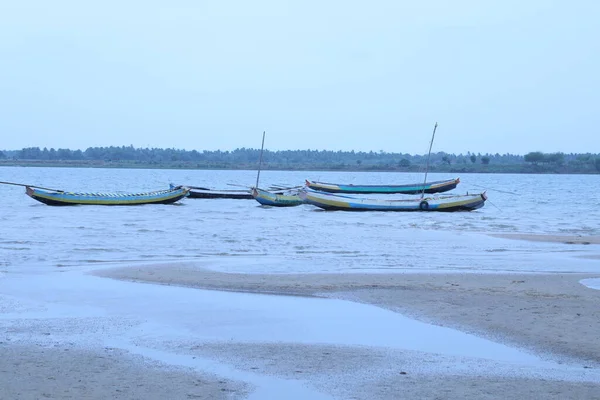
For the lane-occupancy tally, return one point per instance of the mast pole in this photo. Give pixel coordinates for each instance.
(428, 156)
(33, 186)
(261, 158)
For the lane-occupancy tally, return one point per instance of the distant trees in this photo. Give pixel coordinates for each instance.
(534, 157)
(31, 153)
(537, 157)
(583, 158)
(247, 158)
(404, 163)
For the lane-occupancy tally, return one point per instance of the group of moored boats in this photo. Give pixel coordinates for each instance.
(336, 197)
(328, 196)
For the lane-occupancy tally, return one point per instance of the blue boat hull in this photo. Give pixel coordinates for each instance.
(59, 198)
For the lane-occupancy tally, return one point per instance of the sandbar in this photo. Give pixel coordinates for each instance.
(542, 312)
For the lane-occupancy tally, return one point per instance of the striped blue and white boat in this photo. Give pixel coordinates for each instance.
(61, 198)
(411, 188)
(329, 201)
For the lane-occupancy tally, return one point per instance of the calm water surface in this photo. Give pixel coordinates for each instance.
(240, 235)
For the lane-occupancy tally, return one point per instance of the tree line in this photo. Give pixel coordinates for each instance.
(243, 158)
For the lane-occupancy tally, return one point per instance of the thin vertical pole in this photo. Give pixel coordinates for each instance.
(428, 156)
(261, 157)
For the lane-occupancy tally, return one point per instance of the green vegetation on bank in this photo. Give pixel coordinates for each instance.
(130, 157)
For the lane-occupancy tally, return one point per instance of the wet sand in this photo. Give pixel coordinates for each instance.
(63, 371)
(541, 312)
(386, 374)
(550, 314)
(566, 239)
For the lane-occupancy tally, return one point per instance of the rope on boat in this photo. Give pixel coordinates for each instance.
(499, 209)
(33, 186)
(496, 190)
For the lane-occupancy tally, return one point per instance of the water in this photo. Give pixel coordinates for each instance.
(592, 283)
(242, 236)
(241, 317)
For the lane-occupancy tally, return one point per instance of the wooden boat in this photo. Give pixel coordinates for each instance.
(61, 198)
(329, 201)
(197, 192)
(414, 188)
(267, 198)
(205, 193)
(277, 196)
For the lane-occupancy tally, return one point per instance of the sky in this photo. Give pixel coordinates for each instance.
(499, 76)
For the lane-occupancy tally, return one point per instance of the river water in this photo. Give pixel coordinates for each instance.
(242, 236)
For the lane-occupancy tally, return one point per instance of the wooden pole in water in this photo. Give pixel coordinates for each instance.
(428, 156)
(261, 158)
(33, 186)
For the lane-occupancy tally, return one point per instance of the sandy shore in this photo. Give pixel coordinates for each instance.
(29, 372)
(382, 374)
(541, 312)
(550, 314)
(566, 239)
(48, 352)
(49, 356)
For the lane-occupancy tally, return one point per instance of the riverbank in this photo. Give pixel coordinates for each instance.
(542, 312)
(153, 332)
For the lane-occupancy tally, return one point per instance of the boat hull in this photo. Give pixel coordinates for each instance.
(415, 188)
(328, 201)
(206, 193)
(276, 200)
(58, 198)
(215, 194)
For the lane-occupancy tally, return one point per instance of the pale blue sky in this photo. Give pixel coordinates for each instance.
(499, 76)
